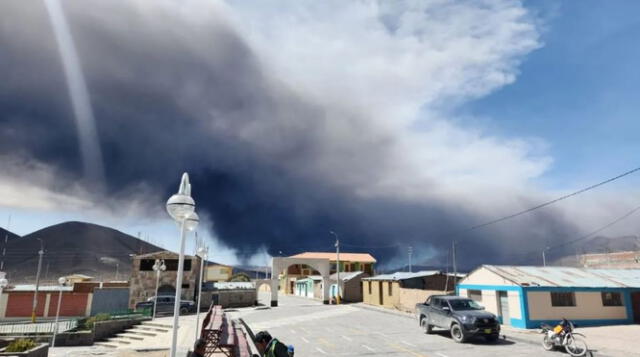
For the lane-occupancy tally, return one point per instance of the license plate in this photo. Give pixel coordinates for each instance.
(487, 330)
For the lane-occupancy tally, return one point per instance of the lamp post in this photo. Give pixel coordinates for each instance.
(337, 245)
(181, 207)
(158, 267)
(61, 282)
(202, 253)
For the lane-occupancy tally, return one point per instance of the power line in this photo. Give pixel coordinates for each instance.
(585, 236)
(528, 210)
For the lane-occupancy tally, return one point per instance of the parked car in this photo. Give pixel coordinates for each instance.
(462, 316)
(165, 305)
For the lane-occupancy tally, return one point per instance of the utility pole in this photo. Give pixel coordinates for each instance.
(4, 247)
(544, 256)
(410, 252)
(337, 245)
(455, 268)
(35, 294)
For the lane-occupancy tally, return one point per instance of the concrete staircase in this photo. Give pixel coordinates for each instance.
(136, 335)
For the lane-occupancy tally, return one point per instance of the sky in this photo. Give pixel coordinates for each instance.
(392, 124)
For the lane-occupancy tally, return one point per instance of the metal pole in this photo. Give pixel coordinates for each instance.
(455, 269)
(199, 294)
(410, 252)
(35, 294)
(337, 269)
(117, 270)
(176, 306)
(55, 328)
(155, 299)
(544, 258)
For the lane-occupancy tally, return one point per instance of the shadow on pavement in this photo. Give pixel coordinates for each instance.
(476, 339)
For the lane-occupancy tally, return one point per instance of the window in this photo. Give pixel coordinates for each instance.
(611, 299)
(563, 299)
(172, 264)
(474, 295)
(390, 288)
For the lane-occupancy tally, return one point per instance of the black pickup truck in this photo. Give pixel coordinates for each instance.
(462, 316)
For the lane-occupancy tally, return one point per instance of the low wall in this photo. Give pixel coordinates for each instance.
(230, 298)
(105, 329)
(410, 297)
(79, 338)
(40, 351)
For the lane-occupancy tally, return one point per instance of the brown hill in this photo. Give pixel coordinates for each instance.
(73, 247)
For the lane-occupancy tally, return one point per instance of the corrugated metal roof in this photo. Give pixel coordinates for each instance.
(315, 277)
(345, 276)
(403, 275)
(568, 276)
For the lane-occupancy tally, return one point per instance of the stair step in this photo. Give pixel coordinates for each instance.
(142, 332)
(130, 336)
(119, 340)
(156, 324)
(105, 344)
(153, 328)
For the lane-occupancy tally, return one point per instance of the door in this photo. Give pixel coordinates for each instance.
(436, 314)
(503, 307)
(635, 303)
(380, 292)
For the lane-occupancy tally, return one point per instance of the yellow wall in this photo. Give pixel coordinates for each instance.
(410, 297)
(588, 306)
(390, 301)
(218, 273)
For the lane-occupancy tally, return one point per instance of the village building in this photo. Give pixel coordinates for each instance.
(403, 290)
(217, 273)
(143, 277)
(526, 296)
(349, 262)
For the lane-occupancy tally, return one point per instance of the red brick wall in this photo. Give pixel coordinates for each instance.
(19, 304)
(73, 304)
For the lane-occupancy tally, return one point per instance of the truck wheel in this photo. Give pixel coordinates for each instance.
(428, 329)
(457, 334)
(184, 311)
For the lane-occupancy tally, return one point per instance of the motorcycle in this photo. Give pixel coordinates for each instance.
(572, 342)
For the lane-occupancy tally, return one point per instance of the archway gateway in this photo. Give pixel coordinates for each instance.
(279, 264)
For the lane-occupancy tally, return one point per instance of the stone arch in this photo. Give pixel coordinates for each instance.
(281, 263)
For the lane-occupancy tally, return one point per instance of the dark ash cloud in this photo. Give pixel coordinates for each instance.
(174, 93)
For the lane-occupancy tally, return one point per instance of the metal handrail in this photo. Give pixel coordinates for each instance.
(26, 327)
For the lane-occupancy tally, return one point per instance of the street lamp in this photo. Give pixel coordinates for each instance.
(158, 267)
(181, 207)
(61, 281)
(202, 253)
(337, 245)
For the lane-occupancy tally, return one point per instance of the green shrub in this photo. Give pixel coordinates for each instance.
(90, 322)
(21, 345)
